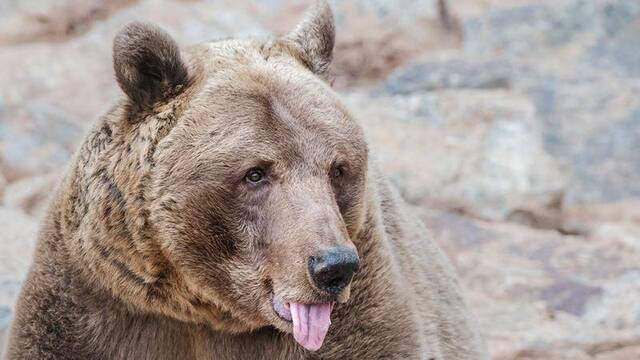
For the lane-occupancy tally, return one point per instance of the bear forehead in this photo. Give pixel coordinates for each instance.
(250, 93)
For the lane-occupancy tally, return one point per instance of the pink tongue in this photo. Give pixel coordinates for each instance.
(310, 323)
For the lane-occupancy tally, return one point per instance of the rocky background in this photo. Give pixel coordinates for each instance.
(512, 126)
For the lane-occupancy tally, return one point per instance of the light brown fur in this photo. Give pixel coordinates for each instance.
(155, 246)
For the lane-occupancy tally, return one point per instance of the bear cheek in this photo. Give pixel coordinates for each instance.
(230, 281)
(195, 240)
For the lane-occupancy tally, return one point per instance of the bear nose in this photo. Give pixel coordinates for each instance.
(332, 269)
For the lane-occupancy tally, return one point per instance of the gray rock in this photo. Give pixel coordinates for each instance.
(346, 12)
(570, 296)
(580, 292)
(448, 73)
(618, 14)
(5, 317)
(35, 139)
(607, 169)
(530, 28)
(477, 151)
(596, 29)
(31, 194)
(619, 52)
(589, 120)
(25, 21)
(622, 353)
(189, 22)
(17, 242)
(3, 184)
(585, 127)
(617, 306)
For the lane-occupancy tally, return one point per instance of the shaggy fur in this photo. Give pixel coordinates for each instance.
(155, 245)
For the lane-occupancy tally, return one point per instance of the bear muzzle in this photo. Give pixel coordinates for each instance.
(330, 271)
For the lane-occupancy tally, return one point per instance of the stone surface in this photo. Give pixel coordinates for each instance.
(30, 194)
(18, 238)
(625, 353)
(511, 125)
(16, 245)
(35, 138)
(449, 72)
(536, 290)
(23, 21)
(476, 151)
(3, 184)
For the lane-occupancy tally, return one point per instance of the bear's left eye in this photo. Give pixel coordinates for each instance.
(254, 175)
(336, 171)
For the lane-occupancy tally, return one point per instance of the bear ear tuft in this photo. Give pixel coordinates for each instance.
(148, 65)
(314, 37)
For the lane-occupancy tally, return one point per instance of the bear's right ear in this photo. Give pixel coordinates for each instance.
(148, 65)
(314, 37)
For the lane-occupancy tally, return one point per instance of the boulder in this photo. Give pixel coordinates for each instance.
(475, 151)
(3, 184)
(28, 21)
(34, 139)
(448, 72)
(31, 194)
(16, 246)
(539, 294)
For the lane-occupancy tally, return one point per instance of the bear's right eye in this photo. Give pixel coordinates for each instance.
(254, 175)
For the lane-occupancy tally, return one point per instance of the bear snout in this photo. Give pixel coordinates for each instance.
(332, 270)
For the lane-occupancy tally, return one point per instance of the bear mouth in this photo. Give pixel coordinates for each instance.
(310, 321)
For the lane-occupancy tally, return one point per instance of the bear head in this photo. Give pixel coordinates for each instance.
(255, 189)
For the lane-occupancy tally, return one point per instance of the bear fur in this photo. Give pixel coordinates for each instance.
(156, 246)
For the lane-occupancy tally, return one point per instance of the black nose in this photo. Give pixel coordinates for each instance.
(332, 269)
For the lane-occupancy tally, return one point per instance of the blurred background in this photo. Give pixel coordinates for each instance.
(511, 126)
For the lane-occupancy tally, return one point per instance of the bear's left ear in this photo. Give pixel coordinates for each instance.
(148, 65)
(314, 37)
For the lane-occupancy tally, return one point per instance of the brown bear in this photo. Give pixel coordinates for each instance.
(228, 208)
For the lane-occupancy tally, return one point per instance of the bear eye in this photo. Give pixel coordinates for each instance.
(254, 175)
(336, 172)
